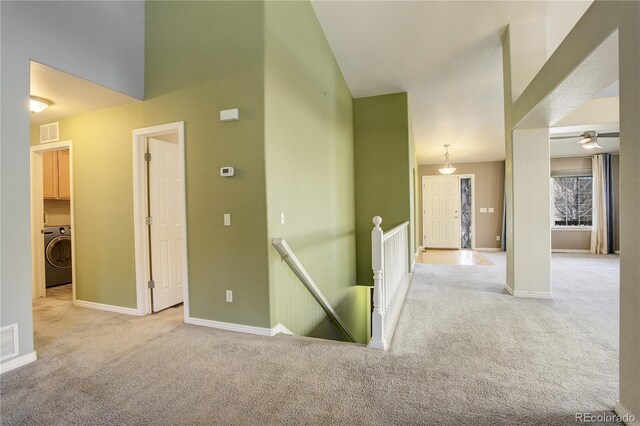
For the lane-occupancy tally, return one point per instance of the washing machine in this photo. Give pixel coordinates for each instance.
(57, 255)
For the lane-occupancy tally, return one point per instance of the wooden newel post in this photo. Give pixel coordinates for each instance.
(378, 339)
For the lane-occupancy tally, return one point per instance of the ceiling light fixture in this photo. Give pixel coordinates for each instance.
(591, 144)
(448, 168)
(589, 140)
(584, 141)
(38, 104)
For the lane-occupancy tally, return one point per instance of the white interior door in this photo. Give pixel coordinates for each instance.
(441, 204)
(165, 181)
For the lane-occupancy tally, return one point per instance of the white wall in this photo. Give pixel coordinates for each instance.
(102, 42)
(561, 18)
(533, 41)
(629, 209)
(528, 52)
(57, 212)
(594, 111)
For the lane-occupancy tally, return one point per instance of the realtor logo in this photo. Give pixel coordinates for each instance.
(608, 417)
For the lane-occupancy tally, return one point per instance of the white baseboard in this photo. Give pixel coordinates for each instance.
(383, 346)
(280, 329)
(529, 294)
(627, 417)
(109, 308)
(487, 249)
(13, 363)
(533, 294)
(576, 251)
(240, 328)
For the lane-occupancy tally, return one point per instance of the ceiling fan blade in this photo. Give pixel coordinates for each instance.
(609, 135)
(566, 137)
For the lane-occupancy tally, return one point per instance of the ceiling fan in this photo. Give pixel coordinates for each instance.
(589, 139)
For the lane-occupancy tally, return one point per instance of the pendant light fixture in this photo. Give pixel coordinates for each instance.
(448, 168)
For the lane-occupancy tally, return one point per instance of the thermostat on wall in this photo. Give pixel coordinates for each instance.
(226, 171)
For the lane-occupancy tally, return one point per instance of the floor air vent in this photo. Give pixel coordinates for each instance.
(8, 341)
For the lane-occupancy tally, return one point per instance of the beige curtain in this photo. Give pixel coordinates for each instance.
(599, 227)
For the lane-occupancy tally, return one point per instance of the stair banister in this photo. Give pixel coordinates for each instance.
(390, 265)
(296, 266)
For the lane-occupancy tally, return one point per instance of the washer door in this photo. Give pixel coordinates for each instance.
(58, 252)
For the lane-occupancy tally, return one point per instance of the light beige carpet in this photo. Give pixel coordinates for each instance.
(464, 353)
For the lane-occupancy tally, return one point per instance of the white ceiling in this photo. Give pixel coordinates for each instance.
(446, 55)
(69, 94)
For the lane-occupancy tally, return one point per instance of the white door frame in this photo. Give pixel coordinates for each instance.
(473, 206)
(38, 281)
(141, 239)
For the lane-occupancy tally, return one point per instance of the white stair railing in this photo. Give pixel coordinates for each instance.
(390, 264)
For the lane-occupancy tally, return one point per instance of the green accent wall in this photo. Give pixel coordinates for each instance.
(292, 150)
(310, 173)
(383, 170)
(201, 57)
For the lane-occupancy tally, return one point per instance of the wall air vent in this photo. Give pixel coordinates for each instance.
(49, 133)
(8, 341)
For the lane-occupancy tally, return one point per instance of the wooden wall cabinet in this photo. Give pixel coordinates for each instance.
(55, 170)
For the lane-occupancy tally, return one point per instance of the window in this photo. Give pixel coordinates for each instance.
(572, 200)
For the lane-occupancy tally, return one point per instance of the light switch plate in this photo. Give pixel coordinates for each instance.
(483, 210)
(229, 296)
(490, 209)
(227, 219)
(497, 237)
(281, 218)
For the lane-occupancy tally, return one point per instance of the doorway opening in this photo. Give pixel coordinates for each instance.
(160, 218)
(448, 212)
(52, 221)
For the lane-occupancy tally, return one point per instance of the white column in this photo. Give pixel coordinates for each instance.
(529, 193)
(629, 45)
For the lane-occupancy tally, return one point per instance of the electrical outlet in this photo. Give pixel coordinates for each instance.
(227, 219)
(229, 297)
(497, 237)
(281, 218)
